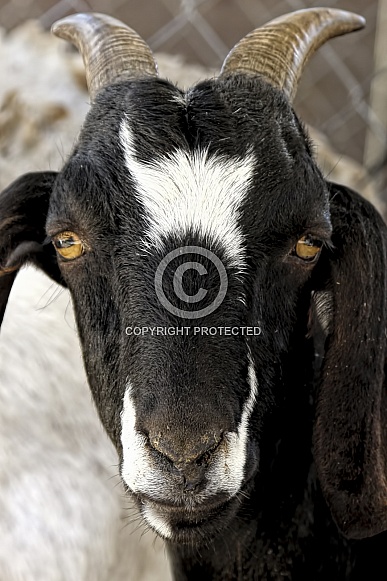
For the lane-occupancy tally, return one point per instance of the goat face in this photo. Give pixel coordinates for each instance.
(164, 178)
(183, 213)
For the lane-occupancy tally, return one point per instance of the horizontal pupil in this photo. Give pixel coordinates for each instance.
(65, 243)
(68, 245)
(308, 248)
(311, 242)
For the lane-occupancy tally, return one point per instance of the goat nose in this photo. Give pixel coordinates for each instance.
(192, 474)
(189, 457)
(182, 450)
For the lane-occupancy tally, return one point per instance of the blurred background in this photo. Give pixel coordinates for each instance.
(342, 93)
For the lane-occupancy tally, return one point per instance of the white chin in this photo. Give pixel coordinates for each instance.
(158, 523)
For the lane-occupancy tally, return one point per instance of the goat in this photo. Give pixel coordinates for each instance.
(230, 303)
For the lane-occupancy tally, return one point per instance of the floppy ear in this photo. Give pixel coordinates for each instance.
(23, 212)
(350, 437)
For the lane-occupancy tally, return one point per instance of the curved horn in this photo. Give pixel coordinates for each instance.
(111, 51)
(280, 49)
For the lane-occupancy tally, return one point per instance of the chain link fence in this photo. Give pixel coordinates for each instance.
(343, 91)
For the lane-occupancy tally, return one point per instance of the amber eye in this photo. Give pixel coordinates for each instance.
(68, 245)
(308, 248)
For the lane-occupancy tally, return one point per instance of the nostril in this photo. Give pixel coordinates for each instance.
(181, 450)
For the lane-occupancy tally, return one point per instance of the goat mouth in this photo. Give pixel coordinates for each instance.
(180, 525)
(191, 519)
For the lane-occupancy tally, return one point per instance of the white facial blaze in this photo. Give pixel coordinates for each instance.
(226, 474)
(137, 470)
(186, 191)
(180, 193)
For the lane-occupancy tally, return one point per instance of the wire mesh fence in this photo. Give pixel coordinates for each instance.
(342, 92)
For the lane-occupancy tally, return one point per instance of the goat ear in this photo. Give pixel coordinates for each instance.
(350, 434)
(23, 212)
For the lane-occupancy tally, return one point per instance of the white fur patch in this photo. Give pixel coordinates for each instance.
(142, 474)
(226, 474)
(323, 301)
(158, 523)
(137, 471)
(197, 192)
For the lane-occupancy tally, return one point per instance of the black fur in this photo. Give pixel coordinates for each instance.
(315, 477)
(23, 213)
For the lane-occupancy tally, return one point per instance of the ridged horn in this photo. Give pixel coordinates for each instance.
(279, 50)
(111, 51)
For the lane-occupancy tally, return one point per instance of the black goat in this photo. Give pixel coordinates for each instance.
(231, 305)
